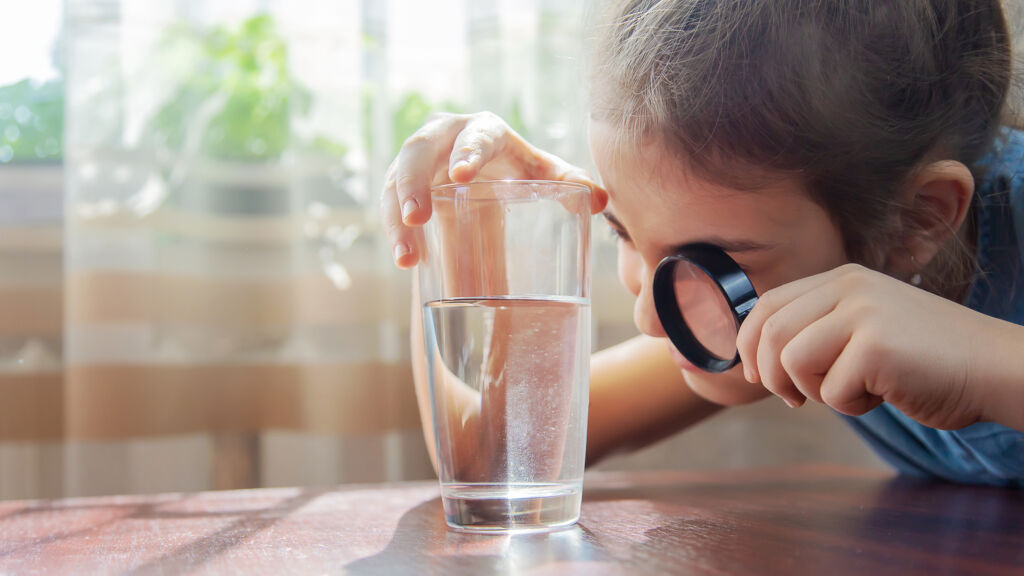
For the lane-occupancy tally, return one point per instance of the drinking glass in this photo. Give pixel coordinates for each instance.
(505, 294)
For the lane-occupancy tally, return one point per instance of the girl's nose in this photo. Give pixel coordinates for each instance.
(645, 316)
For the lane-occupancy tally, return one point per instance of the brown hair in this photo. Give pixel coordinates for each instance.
(850, 96)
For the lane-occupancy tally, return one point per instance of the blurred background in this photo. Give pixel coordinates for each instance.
(195, 292)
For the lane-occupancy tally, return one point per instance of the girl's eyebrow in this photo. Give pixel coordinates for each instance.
(727, 244)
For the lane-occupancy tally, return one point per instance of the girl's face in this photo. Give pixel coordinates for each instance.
(656, 204)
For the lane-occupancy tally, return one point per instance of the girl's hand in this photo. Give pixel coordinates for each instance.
(461, 148)
(853, 338)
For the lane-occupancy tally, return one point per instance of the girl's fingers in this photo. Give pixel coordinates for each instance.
(476, 146)
(551, 167)
(481, 140)
(809, 356)
(401, 237)
(487, 147)
(749, 337)
(777, 332)
(416, 166)
(487, 139)
(844, 387)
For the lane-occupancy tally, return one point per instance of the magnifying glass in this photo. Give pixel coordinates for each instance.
(702, 296)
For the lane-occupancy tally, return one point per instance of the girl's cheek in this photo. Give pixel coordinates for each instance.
(630, 268)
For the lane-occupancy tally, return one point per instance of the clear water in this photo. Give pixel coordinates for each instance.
(508, 381)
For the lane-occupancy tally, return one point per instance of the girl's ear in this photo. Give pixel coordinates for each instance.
(934, 204)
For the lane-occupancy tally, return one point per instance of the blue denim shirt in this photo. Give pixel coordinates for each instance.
(984, 453)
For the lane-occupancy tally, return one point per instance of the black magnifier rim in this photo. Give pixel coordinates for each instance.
(731, 281)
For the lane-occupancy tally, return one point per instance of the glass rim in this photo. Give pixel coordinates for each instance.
(448, 190)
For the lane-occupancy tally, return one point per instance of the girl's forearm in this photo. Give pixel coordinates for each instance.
(1001, 376)
(637, 397)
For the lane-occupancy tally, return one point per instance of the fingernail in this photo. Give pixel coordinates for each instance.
(460, 164)
(400, 250)
(791, 403)
(409, 207)
(746, 374)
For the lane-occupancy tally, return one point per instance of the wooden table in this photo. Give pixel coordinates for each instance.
(814, 520)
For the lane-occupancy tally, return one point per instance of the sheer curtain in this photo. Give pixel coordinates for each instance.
(226, 314)
(31, 275)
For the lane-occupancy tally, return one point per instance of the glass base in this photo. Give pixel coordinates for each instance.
(511, 508)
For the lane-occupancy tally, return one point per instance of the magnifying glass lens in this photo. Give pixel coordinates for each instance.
(702, 296)
(705, 309)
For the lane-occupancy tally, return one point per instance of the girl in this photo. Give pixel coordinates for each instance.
(848, 157)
